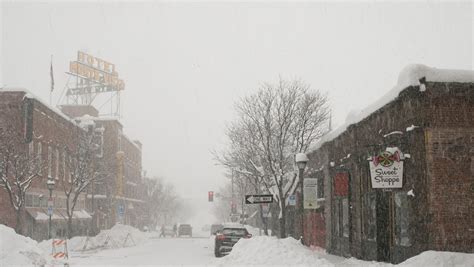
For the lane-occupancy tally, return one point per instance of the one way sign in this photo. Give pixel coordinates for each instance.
(258, 199)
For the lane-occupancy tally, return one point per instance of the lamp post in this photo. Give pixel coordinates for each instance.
(301, 159)
(50, 184)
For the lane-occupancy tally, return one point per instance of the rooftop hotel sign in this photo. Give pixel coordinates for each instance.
(96, 70)
(386, 170)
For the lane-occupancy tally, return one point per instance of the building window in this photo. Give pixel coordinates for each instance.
(35, 201)
(64, 165)
(50, 161)
(31, 149)
(345, 217)
(28, 200)
(56, 161)
(402, 214)
(119, 140)
(371, 228)
(40, 158)
(43, 202)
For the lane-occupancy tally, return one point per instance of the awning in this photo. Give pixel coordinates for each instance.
(81, 214)
(41, 215)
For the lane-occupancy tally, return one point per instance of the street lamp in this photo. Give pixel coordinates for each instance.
(301, 159)
(50, 184)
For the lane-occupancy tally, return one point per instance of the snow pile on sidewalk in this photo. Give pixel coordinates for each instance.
(428, 258)
(16, 249)
(116, 237)
(270, 251)
(440, 258)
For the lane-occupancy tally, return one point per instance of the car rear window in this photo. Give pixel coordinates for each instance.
(234, 231)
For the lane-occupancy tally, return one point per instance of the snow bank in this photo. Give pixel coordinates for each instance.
(270, 251)
(116, 237)
(440, 258)
(409, 76)
(16, 249)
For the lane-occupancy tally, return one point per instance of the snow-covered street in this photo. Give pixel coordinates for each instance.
(151, 250)
(155, 251)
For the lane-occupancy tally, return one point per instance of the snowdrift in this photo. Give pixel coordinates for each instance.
(270, 251)
(16, 249)
(440, 258)
(116, 237)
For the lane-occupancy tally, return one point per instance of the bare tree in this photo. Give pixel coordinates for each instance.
(19, 167)
(83, 169)
(163, 203)
(272, 126)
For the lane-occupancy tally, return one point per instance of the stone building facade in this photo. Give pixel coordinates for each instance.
(432, 128)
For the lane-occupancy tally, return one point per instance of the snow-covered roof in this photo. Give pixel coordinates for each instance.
(29, 94)
(86, 120)
(409, 76)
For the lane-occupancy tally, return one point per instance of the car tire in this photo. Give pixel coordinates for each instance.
(217, 254)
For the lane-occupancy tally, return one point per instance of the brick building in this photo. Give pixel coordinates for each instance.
(51, 137)
(429, 124)
(120, 197)
(116, 197)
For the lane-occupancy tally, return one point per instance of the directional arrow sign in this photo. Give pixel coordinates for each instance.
(258, 199)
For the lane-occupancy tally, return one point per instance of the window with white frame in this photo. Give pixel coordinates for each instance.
(56, 161)
(31, 149)
(40, 158)
(64, 165)
(50, 161)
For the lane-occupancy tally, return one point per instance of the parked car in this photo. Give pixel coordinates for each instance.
(215, 228)
(167, 231)
(185, 229)
(228, 237)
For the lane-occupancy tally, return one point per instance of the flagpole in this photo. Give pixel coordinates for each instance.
(52, 83)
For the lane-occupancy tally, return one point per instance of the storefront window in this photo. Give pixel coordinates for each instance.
(36, 201)
(402, 211)
(28, 200)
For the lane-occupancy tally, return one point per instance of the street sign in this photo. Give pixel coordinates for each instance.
(50, 206)
(266, 211)
(121, 210)
(292, 200)
(257, 199)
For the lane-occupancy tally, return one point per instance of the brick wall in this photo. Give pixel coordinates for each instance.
(439, 171)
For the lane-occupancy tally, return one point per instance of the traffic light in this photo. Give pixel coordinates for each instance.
(210, 196)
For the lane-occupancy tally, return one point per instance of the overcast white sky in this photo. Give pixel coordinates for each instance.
(185, 64)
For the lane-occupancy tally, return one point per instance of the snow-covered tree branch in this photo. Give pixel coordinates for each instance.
(274, 124)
